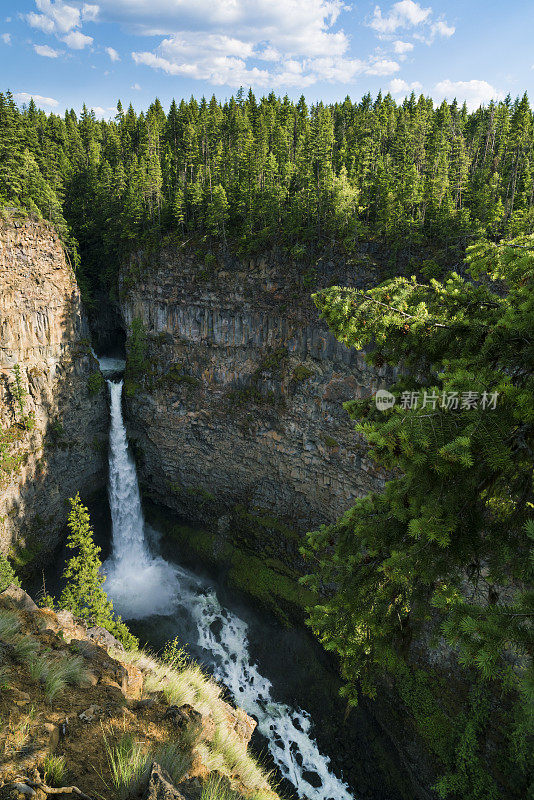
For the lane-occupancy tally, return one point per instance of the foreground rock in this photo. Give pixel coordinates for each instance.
(101, 704)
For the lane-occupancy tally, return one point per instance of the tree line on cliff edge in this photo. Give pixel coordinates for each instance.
(271, 170)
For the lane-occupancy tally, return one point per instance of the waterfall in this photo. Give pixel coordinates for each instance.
(129, 545)
(139, 584)
(142, 585)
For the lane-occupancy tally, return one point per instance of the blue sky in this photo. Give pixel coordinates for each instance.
(67, 53)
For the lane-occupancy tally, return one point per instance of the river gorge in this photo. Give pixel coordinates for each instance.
(224, 449)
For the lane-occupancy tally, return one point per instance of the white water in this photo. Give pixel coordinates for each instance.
(110, 365)
(139, 584)
(143, 585)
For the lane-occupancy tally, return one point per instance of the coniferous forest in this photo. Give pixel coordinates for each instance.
(257, 171)
(446, 549)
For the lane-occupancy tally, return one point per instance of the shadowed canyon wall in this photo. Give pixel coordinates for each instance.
(53, 428)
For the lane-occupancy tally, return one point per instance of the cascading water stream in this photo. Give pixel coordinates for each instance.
(139, 583)
(143, 585)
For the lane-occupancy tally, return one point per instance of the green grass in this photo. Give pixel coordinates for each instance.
(190, 686)
(38, 668)
(25, 648)
(60, 674)
(9, 626)
(173, 758)
(56, 675)
(129, 766)
(130, 762)
(236, 759)
(217, 789)
(19, 732)
(54, 770)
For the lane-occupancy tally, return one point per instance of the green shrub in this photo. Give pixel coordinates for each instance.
(175, 655)
(7, 574)
(329, 441)
(309, 278)
(136, 363)
(95, 383)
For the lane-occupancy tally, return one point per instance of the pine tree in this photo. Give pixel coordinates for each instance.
(84, 593)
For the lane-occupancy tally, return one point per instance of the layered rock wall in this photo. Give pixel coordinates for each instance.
(53, 428)
(240, 403)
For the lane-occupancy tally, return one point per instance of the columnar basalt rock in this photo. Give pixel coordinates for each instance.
(53, 427)
(240, 401)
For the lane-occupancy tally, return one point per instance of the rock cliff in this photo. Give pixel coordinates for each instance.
(53, 414)
(238, 411)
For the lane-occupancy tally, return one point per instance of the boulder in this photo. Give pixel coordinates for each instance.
(103, 637)
(160, 786)
(15, 597)
(192, 788)
(184, 716)
(131, 681)
(65, 618)
(53, 733)
(90, 714)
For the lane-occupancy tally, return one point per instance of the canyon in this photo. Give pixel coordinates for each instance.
(234, 393)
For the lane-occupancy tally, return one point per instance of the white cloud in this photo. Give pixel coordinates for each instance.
(474, 92)
(382, 67)
(6, 38)
(55, 17)
(77, 40)
(222, 41)
(63, 20)
(442, 29)
(399, 87)
(41, 22)
(404, 14)
(272, 54)
(90, 12)
(136, 87)
(244, 42)
(104, 113)
(112, 53)
(402, 48)
(413, 18)
(47, 102)
(46, 51)
(438, 28)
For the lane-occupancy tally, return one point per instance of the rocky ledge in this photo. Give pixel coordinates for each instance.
(82, 716)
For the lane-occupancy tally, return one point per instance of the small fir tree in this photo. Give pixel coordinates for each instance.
(84, 592)
(7, 574)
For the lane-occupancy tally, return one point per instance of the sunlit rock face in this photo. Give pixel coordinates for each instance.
(240, 404)
(61, 449)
